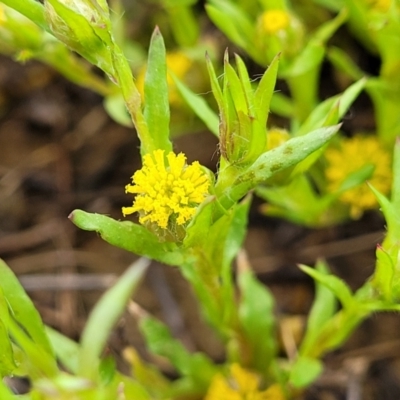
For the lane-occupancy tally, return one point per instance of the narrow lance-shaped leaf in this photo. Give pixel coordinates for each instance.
(129, 236)
(22, 308)
(7, 363)
(198, 367)
(324, 306)
(104, 316)
(264, 92)
(333, 283)
(32, 9)
(273, 161)
(256, 316)
(231, 20)
(198, 105)
(156, 110)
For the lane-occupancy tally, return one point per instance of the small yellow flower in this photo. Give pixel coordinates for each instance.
(167, 190)
(273, 21)
(241, 385)
(352, 155)
(379, 5)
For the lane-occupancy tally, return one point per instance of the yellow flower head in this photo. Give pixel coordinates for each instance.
(352, 155)
(167, 190)
(379, 5)
(241, 385)
(273, 21)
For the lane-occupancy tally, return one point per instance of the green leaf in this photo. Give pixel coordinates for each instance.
(342, 61)
(265, 90)
(7, 363)
(66, 350)
(256, 315)
(318, 117)
(395, 198)
(156, 110)
(272, 162)
(209, 270)
(232, 21)
(104, 316)
(198, 367)
(184, 25)
(245, 83)
(323, 308)
(32, 9)
(305, 371)
(22, 308)
(338, 287)
(5, 393)
(198, 105)
(129, 236)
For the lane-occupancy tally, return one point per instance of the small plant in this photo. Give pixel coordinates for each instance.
(195, 220)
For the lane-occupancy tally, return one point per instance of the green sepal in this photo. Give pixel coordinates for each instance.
(156, 108)
(104, 316)
(129, 236)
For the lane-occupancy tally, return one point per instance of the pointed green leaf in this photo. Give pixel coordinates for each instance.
(22, 308)
(246, 84)
(5, 392)
(323, 308)
(129, 236)
(232, 21)
(338, 287)
(66, 350)
(32, 9)
(104, 316)
(199, 106)
(156, 110)
(264, 92)
(305, 371)
(273, 161)
(256, 315)
(198, 367)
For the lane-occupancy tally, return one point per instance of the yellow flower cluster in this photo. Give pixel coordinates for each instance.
(241, 385)
(167, 189)
(273, 21)
(352, 155)
(379, 5)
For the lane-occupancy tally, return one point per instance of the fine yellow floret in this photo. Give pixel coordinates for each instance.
(273, 21)
(352, 155)
(241, 385)
(167, 189)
